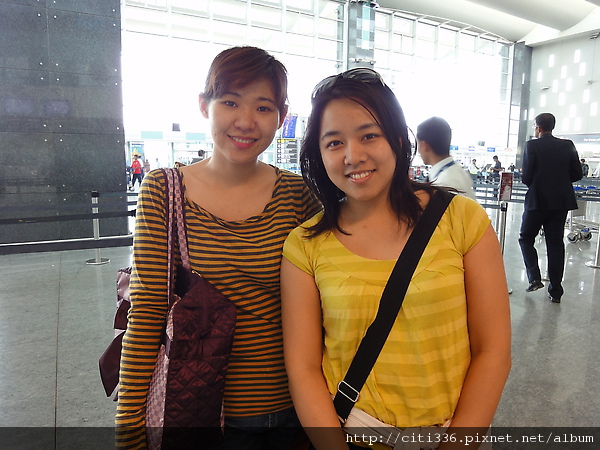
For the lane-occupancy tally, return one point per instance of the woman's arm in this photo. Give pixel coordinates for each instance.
(303, 350)
(148, 290)
(488, 319)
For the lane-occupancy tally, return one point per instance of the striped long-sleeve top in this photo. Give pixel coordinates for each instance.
(242, 260)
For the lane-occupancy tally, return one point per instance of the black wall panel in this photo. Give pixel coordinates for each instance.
(61, 116)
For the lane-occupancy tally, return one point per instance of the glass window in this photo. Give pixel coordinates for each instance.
(231, 10)
(382, 41)
(331, 29)
(515, 112)
(505, 63)
(157, 3)
(446, 52)
(300, 23)
(382, 21)
(331, 10)
(265, 16)
(382, 59)
(447, 37)
(466, 42)
(466, 57)
(270, 40)
(485, 46)
(300, 5)
(425, 49)
(150, 21)
(408, 45)
(327, 49)
(404, 26)
(229, 33)
(426, 31)
(298, 44)
(190, 6)
(190, 27)
(401, 63)
(267, 2)
(396, 42)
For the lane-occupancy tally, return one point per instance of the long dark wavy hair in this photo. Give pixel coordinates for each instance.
(378, 99)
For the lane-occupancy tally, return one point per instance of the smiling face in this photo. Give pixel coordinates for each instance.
(243, 121)
(356, 154)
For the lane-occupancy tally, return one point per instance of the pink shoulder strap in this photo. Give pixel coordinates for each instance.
(176, 229)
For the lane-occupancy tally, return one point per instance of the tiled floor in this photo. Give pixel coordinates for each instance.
(56, 318)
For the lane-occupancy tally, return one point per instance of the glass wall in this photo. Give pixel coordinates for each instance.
(168, 46)
(434, 67)
(437, 68)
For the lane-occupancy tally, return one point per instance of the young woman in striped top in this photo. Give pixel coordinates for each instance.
(448, 354)
(238, 212)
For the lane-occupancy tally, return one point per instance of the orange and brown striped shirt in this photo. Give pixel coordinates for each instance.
(242, 260)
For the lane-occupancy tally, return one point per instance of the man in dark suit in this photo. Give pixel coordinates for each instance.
(550, 166)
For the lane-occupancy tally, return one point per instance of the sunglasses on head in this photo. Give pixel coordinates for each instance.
(359, 74)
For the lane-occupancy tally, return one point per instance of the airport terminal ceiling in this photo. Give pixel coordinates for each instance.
(531, 21)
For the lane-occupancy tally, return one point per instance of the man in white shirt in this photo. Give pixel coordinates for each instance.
(474, 170)
(433, 143)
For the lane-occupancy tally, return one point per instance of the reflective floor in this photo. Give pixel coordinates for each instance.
(56, 316)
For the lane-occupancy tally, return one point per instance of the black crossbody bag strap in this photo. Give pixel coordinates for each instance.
(389, 306)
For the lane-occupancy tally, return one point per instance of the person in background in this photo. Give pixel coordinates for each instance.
(136, 171)
(496, 169)
(585, 169)
(433, 144)
(448, 354)
(147, 166)
(474, 170)
(238, 212)
(550, 166)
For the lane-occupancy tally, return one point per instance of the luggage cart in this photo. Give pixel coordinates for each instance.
(579, 228)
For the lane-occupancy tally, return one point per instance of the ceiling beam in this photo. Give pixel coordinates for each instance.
(559, 15)
(489, 19)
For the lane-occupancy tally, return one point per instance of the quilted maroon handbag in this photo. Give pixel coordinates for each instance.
(184, 404)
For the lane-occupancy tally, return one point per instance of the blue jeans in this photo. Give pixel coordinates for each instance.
(276, 431)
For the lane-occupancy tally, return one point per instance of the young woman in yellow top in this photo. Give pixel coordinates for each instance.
(238, 212)
(448, 354)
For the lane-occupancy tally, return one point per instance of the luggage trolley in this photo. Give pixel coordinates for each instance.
(581, 229)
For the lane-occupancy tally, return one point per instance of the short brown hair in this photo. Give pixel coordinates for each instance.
(238, 67)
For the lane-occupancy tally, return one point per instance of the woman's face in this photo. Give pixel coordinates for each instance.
(355, 152)
(243, 121)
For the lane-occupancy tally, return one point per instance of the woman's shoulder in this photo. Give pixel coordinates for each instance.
(466, 205)
(301, 230)
(288, 176)
(156, 176)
